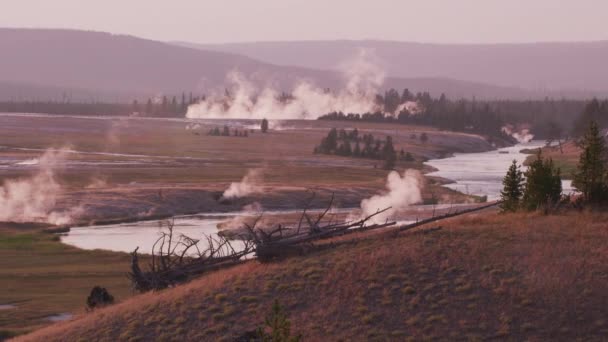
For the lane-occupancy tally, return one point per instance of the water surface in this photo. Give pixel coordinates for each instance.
(481, 174)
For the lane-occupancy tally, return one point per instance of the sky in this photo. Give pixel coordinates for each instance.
(222, 21)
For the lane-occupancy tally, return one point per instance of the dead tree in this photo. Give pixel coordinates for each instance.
(175, 259)
(283, 241)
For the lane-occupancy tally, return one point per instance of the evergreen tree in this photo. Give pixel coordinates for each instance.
(264, 126)
(590, 177)
(512, 188)
(389, 154)
(390, 160)
(543, 184)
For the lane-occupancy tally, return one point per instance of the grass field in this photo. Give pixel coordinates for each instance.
(41, 277)
(484, 276)
(566, 158)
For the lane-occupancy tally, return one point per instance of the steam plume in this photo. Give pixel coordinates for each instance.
(522, 135)
(401, 191)
(33, 199)
(248, 185)
(362, 76)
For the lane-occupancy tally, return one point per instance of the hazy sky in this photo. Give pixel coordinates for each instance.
(206, 21)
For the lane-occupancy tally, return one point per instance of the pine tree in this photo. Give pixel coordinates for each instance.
(512, 188)
(390, 160)
(264, 126)
(543, 184)
(590, 177)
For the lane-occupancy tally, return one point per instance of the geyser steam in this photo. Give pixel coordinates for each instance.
(248, 185)
(33, 199)
(362, 75)
(401, 192)
(522, 135)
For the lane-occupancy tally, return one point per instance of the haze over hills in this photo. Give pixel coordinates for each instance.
(83, 65)
(572, 69)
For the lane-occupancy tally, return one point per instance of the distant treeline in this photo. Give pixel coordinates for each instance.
(159, 107)
(482, 117)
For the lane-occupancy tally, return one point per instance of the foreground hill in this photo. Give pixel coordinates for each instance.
(117, 66)
(484, 276)
(569, 69)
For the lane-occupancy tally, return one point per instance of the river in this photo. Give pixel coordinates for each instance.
(473, 173)
(481, 174)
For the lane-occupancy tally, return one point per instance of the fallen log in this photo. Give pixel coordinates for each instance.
(170, 266)
(445, 216)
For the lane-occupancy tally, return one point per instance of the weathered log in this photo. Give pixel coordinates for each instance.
(445, 216)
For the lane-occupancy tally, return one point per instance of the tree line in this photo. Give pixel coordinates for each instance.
(353, 144)
(225, 132)
(165, 106)
(545, 117)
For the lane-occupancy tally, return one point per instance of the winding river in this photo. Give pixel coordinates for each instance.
(473, 173)
(481, 174)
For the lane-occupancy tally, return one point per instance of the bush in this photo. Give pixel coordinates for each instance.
(278, 327)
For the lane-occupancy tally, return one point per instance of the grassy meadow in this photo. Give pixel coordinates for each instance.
(42, 277)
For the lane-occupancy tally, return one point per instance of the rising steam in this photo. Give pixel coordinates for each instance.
(362, 76)
(33, 199)
(248, 185)
(522, 135)
(401, 192)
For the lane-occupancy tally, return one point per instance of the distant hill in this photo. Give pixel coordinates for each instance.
(83, 65)
(572, 69)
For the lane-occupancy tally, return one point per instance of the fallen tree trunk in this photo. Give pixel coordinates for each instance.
(445, 216)
(170, 266)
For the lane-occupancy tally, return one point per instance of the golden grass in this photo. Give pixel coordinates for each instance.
(484, 276)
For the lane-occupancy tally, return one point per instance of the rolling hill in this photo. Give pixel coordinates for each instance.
(82, 65)
(571, 69)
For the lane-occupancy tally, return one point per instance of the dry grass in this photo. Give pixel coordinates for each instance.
(566, 158)
(485, 276)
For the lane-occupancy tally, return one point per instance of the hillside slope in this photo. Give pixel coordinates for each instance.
(117, 66)
(484, 276)
(572, 69)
